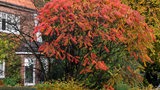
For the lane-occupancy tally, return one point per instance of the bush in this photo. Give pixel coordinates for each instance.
(122, 86)
(61, 85)
(45, 86)
(70, 85)
(11, 81)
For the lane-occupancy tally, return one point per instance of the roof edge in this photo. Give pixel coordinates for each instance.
(17, 7)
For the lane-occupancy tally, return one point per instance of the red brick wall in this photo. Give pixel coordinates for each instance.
(26, 25)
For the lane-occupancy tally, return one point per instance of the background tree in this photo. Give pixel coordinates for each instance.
(103, 40)
(7, 55)
(151, 10)
(40, 3)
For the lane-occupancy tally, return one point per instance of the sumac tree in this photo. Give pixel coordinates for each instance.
(101, 36)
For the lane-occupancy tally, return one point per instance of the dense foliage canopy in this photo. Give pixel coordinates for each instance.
(96, 34)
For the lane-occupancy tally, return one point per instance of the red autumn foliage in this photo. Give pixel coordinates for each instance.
(78, 23)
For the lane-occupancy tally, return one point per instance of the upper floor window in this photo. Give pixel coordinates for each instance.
(9, 23)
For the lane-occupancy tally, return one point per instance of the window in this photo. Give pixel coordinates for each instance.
(3, 24)
(2, 69)
(9, 23)
(45, 64)
(38, 34)
(29, 71)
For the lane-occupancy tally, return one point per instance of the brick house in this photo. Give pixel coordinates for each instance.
(13, 10)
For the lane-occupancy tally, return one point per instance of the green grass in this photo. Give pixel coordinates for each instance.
(17, 88)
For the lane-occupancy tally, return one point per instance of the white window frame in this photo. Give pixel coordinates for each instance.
(3, 73)
(34, 75)
(6, 15)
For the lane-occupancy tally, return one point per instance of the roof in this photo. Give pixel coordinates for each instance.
(20, 3)
(25, 47)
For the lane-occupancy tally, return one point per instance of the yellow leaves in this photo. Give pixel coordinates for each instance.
(141, 1)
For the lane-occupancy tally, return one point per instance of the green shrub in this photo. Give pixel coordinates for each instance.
(61, 85)
(122, 86)
(11, 81)
(149, 87)
(45, 86)
(70, 85)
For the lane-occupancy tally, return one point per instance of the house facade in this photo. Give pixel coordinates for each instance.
(16, 17)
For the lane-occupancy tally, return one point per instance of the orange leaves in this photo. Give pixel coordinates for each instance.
(118, 14)
(88, 27)
(108, 18)
(129, 69)
(93, 55)
(49, 31)
(86, 62)
(93, 60)
(53, 19)
(84, 25)
(47, 49)
(59, 38)
(72, 58)
(107, 87)
(60, 56)
(101, 65)
(73, 39)
(106, 49)
(85, 70)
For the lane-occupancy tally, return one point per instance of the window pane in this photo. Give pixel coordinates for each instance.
(1, 69)
(3, 24)
(29, 70)
(0, 25)
(29, 74)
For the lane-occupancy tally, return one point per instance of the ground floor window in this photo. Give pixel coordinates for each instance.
(2, 69)
(29, 71)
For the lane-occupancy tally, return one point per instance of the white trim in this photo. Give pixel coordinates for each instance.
(3, 76)
(34, 75)
(27, 53)
(5, 31)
